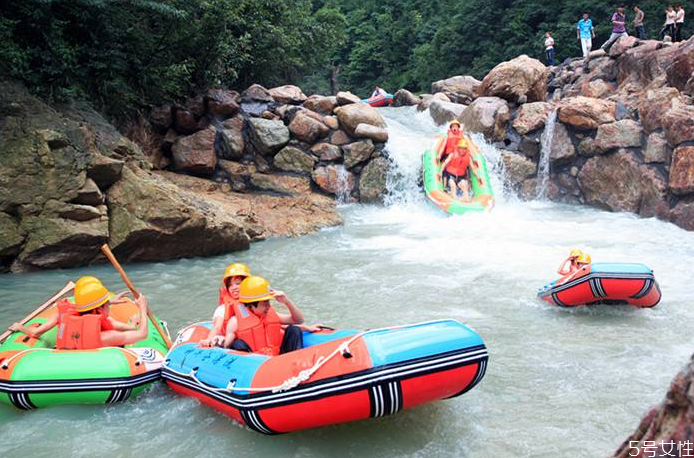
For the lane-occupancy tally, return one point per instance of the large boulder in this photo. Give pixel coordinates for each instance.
(443, 112)
(256, 93)
(288, 94)
(460, 89)
(357, 152)
(404, 98)
(222, 102)
(531, 117)
(185, 121)
(195, 153)
(682, 214)
(426, 100)
(321, 104)
(622, 45)
(618, 182)
(292, 159)
(377, 134)
(678, 123)
(340, 137)
(232, 143)
(680, 71)
(620, 134)
(267, 136)
(562, 150)
(326, 151)
(346, 97)
(653, 106)
(516, 168)
(682, 171)
(372, 182)
(657, 149)
(334, 179)
(586, 113)
(352, 115)
(520, 80)
(307, 128)
(488, 116)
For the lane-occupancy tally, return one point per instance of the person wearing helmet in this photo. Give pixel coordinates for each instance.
(573, 262)
(65, 306)
(256, 327)
(234, 274)
(450, 144)
(454, 170)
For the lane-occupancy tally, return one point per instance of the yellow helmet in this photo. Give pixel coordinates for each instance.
(236, 270)
(255, 289)
(462, 143)
(575, 253)
(90, 295)
(584, 258)
(455, 121)
(86, 279)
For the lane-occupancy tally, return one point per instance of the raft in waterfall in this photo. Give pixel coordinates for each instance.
(34, 374)
(339, 375)
(482, 198)
(608, 283)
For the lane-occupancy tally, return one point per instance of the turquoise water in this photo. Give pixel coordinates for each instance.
(559, 382)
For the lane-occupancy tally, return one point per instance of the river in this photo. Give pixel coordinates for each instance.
(559, 382)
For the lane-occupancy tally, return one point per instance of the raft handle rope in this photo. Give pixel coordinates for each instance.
(306, 374)
(6, 363)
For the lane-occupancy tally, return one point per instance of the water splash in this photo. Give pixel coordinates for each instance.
(343, 184)
(545, 151)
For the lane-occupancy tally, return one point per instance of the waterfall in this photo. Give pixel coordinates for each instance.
(343, 185)
(545, 152)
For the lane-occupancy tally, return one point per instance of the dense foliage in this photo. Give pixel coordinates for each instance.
(125, 54)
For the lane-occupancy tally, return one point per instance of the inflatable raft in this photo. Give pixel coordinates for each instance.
(482, 194)
(34, 374)
(339, 376)
(379, 101)
(602, 282)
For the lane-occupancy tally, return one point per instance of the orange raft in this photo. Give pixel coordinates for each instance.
(607, 283)
(339, 376)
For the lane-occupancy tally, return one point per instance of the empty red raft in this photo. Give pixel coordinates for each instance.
(602, 282)
(339, 376)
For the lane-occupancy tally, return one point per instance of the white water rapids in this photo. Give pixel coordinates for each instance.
(560, 383)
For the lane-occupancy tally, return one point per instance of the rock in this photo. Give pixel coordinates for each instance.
(326, 151)
(653, 106)
(562, 151)
(222, 102)
(145, 207)
(620, 46)
(680, 71)
(682, 214)
(104, 171)
(530, 187)
(321, 104)
(195, 153)
(255, 109)
(597, 89)
(516, 168)
(256, 93)
(306, 128)
(291, 159)
(372, 182)
(586, 113)
(161, 117)
(196, 105)
(377, 134)
(428, 98)
(530, 146)
(288, 94)
(530, 117)
(682, 171)
(678, 123)
(340, 138)
(404, 98)
(357, 152)
(621, 134)
(232, 143)
(89, 194)
(488, 116)
(262, 164)
(602, 68)
(443, 112)
(11, 240)
(267, 136)
(521, 79)
(267, 114)
(657, 150)
(352, 115)
(185, 121)
(618, 183)
(459, 89)
(345, 98)
(334, 179)
(332, 122)
(81, 212)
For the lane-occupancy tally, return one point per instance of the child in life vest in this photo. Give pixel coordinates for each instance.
(454, 170)
(450, 143)
(234, 274)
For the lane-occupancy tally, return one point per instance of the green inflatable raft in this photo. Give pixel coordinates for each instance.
(34, 374)
(482, 195)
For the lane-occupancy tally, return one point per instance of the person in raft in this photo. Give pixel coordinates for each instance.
(575, 261)
(86, 324)
(453, 137)
(234, 274)
(455, 171)
(378, 92)
(256, 327)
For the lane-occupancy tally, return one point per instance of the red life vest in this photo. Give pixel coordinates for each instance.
(79, 332)
(263, 335)
(459, 163)
(452, 141)
(227, 301)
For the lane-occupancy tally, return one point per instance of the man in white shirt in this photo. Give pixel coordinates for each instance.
(679, 23)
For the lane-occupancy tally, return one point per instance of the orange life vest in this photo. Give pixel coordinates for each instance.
(452, 141)
(227, 301)
(459, 163)
(79, 332)
(263, 335)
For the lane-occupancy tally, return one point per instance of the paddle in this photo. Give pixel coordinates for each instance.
(107, 251)
(68, 287)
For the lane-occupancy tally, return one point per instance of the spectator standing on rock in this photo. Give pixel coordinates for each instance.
(549, 49)
(679, 22)
(638, 23)
(619, 30)
(585, 33)
(669, 26)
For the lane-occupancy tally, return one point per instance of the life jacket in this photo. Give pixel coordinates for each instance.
(227, 301)
(452, 141)
(79, 332)
(459, 163)
(263, 335)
